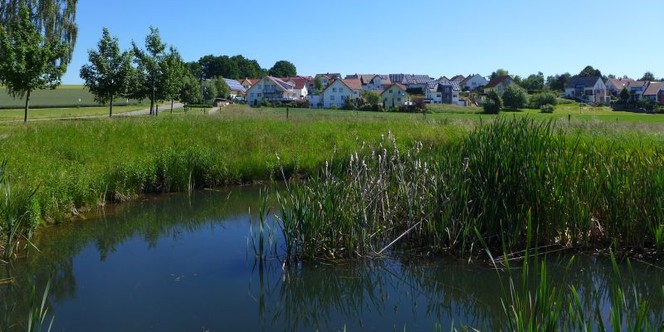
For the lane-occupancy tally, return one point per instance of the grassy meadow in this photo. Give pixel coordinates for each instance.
(80, 165)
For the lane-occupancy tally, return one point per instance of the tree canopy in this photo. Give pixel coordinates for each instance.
(235, 67)
(499, 72)
(648, 76)
(109, 72)
(55, 20)
(283, 68)
(28, 61)
(534, 82)
(514, 97)
(589, 71)
(150, 66)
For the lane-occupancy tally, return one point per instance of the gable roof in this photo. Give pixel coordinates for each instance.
(353, 84)
(578, 81)
(398, 85)
(638, 84)
(470, 77)
(496, 80)
(619, 83)
(458, 78)
(653, 88)
(298, 82)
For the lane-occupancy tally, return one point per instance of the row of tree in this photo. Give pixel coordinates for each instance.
(238, 67)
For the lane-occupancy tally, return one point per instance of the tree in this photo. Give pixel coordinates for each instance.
(557, 82)
(543, 98)
(589, 71)
(499, 72)
(223, 90)
(648, 77)
(282, 68)
(624, 95)
(149, 67)
(190, 90)
(493, 103)
(109, 71)
(534, 82)
(28, 61)
(514, 97)
(370, 97)
(209, 90)
(318, 84)
(55, 20)
(172, 69)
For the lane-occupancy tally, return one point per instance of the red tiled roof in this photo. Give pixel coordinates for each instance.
(354, 84)
(618, 83)
(653, 88)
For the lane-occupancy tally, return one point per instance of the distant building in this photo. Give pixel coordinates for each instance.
(587, 89)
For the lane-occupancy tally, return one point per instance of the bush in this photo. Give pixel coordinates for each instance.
(547, 108)
(514, 97)
(493, 103)
(544, 98)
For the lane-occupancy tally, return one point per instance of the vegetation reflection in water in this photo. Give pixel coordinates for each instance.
(383, 294)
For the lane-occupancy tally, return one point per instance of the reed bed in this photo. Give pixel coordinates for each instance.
(580, 194)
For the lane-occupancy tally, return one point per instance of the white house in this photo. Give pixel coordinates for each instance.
(445, 93)
(271, 89)
(336, 93)
(394, 96)
(300, 85)
(587, 89)
(473, 82)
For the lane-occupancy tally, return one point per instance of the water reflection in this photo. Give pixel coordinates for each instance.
(182, 263)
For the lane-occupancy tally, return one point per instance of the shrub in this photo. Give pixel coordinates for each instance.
(514, 97)
(492, 103)
(547, 108)
(544, 98)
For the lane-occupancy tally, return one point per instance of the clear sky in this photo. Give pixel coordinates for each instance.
(435, 37)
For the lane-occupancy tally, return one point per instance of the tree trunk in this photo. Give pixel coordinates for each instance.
(152, 99)
(27, 104)
(171, 106)
(156, 109)
(110, 111)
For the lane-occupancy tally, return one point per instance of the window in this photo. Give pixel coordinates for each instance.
(251, 95)
(332, 97)
(334, 89)
(399, 99)
(258, 94)
(390, 91)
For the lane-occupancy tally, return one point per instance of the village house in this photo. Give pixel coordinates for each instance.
(335, 95)
(652, 92)
(458, 79)
(300, 85)
(271, 89)
(498, 84)
(394, 96)
(249, 82)
(636, 89)
(473, 82)
(236, 89)
(615, 85)
(587, 89)
(443, 93)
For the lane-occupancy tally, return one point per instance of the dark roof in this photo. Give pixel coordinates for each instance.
(235, 85)
(578, 81)
(495, 81)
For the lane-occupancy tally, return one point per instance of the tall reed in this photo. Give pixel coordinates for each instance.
(579, 194)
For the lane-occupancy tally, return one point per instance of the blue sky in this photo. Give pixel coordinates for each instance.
(435, 37)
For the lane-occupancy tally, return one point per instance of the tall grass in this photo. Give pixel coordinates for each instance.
(580, 194)
(19, 215)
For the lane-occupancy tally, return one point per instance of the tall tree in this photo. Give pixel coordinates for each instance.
(109, 71)
(149, 66)
(223, 90)
(534, 82)
(55, 20)
(190, 91)
(282, 68)
(589, 71)
(28, 61)
(209, 90)
(648, 77)
(557, 82)
(172, 69)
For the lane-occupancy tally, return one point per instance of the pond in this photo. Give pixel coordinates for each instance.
(186, 263)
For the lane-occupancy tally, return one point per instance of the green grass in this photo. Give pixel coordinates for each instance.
(9, 115)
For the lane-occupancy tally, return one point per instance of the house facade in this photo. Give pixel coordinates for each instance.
(271, 89)
(637, 89)
(587, 89)
(652, 91)
(473, 82)
(660, 95)
(335, 95)
(394, 96)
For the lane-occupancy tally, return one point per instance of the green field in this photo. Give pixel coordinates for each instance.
(80, 165)
(62, 96)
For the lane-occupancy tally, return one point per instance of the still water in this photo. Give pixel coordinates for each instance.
(185, 263)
